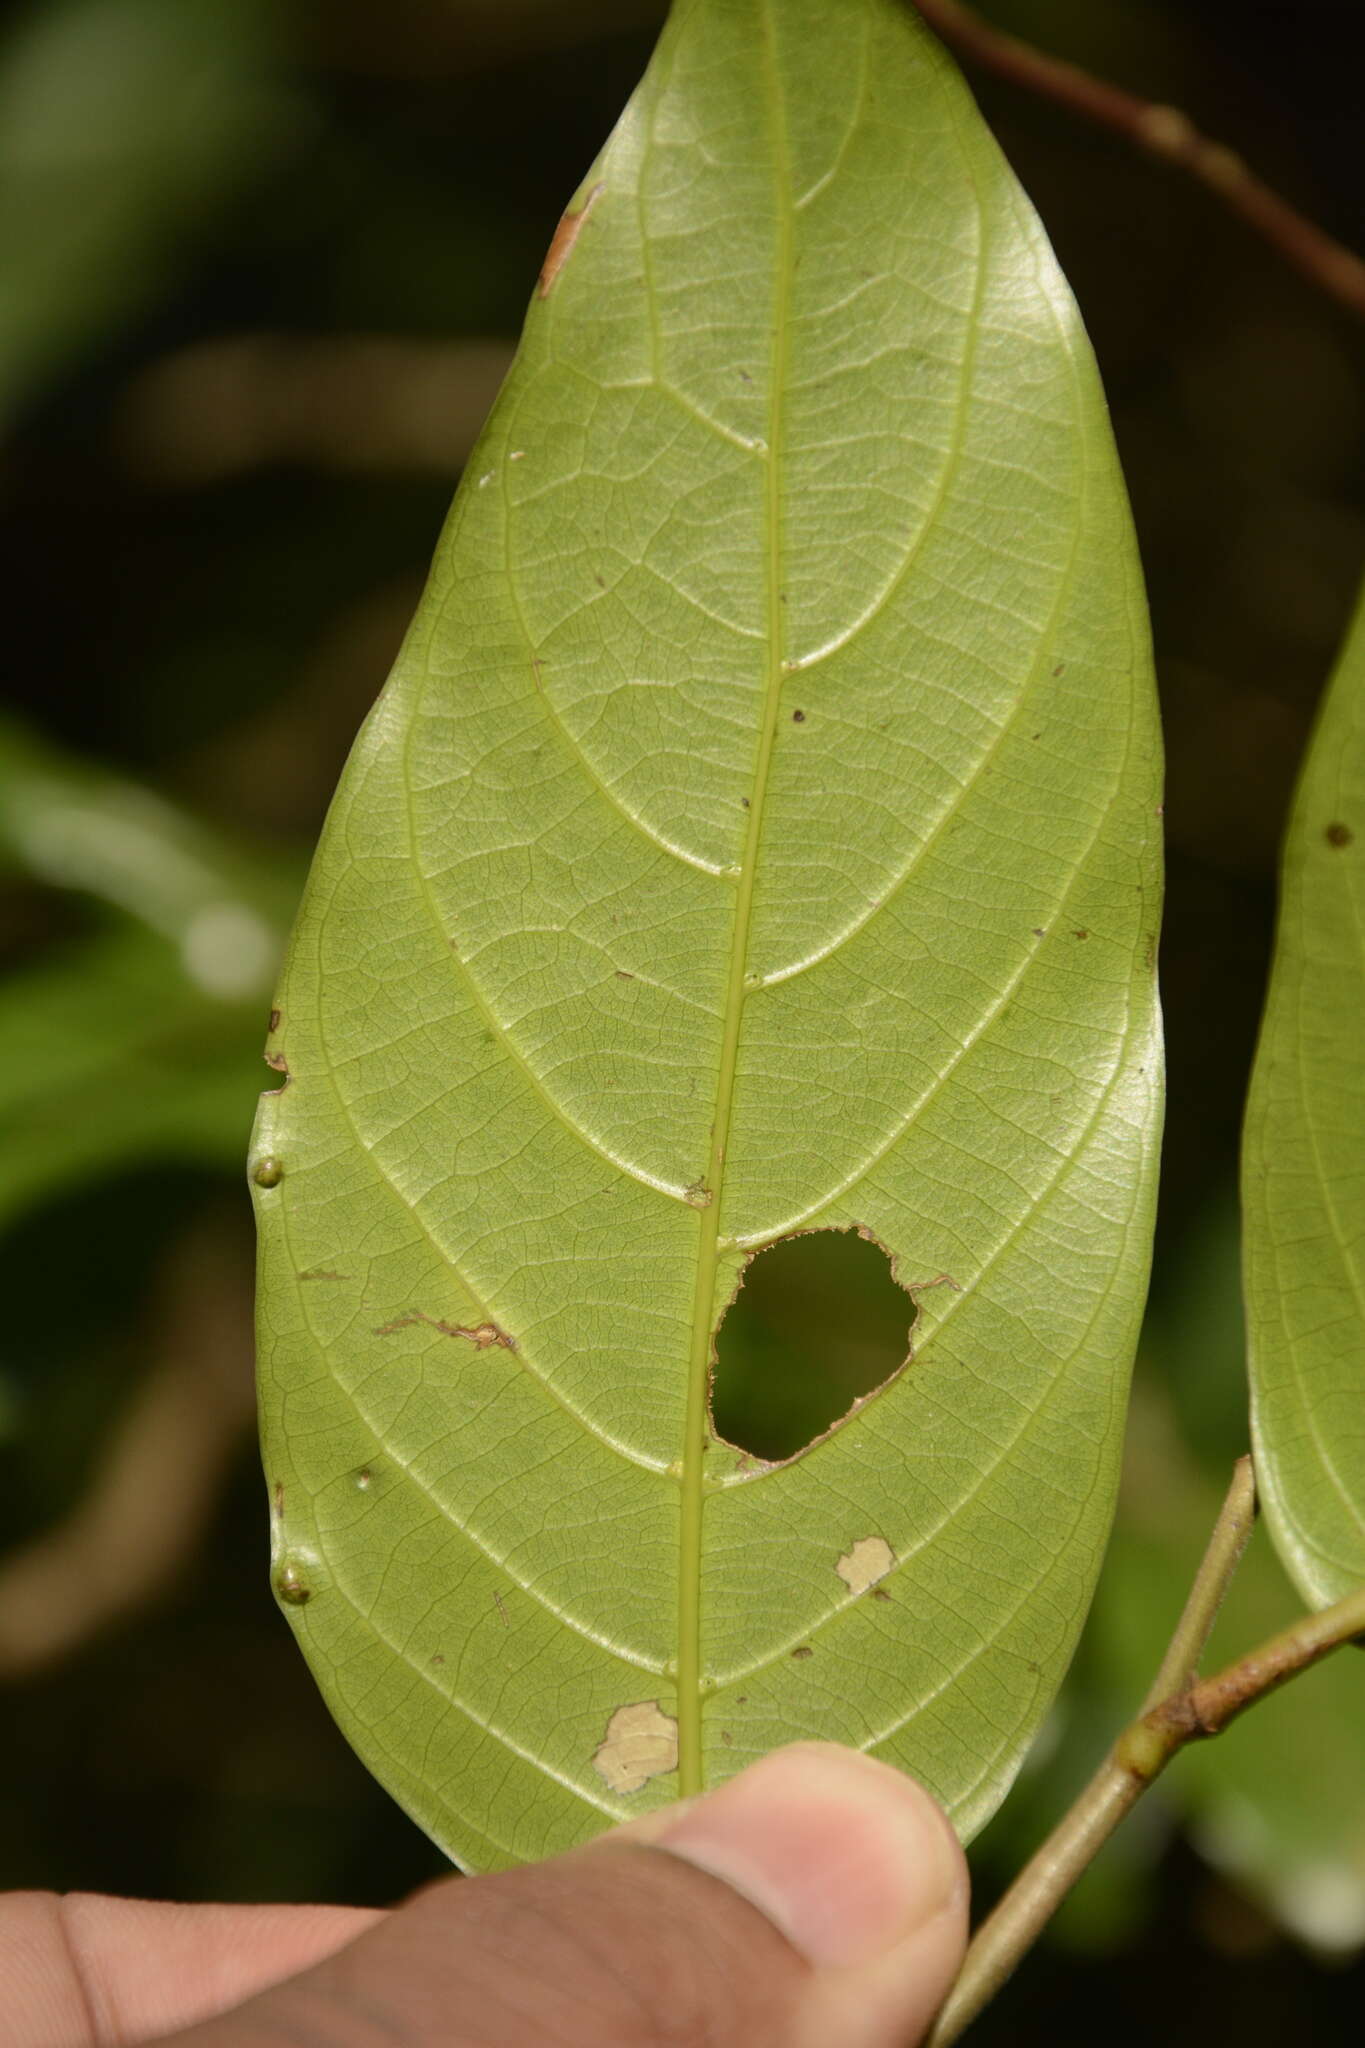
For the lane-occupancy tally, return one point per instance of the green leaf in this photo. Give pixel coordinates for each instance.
(1303, 1167)
(758, 834)
(137, 1042)
(111, 1057)
(121, 121)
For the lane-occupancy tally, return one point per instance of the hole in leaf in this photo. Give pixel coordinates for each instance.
(817, 1323)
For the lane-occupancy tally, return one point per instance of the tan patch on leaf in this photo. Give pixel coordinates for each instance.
(641, 1743)
(870, 1559)
(566, 234)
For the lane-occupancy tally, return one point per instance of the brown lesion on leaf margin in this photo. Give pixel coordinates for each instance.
(275, 1059)
(483, 1336)
(752, 1466)
(565, 235)
(640, 1743)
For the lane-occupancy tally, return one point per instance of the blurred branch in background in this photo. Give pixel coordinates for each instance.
(364, 403)
(1164, 132)
(162, 1468)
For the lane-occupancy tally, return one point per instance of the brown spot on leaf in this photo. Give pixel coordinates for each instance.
(1080, 935)
(868, 1560)
(278, 1061)
(323, 1273)
(565, 235)
(279, 1500)
(641, 1742)
(880, 1593)
(803, 1651)
(1338, 834)
(623, 975)
(698, 1196)
(274, 1020)
(483, 1336)
(798, 718)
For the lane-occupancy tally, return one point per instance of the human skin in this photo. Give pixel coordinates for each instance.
(817, 1898)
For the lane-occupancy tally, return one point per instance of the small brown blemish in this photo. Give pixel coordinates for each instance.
(363, 1480)
(698, 1196)
(1059, 668)
(600, 581)
(798, 718)
(399, 1323)
(1338, 834)
(278, 1498)
(502, 1611)
(726, 1737)
(323, 1273)
(565, 235)
(623, 975)
(1039, 932)
(1080, 935)
(880, 1593)
(641, 1742)
(803, 1651)
(483, 1336)
(868, 1560)
(744, 803)
(274, 1020)
(292, 1587)
(278, 1061)
(438, 1658)
(268, 1171)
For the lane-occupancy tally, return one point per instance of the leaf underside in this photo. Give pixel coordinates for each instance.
(758, 833)
(1303, 1179)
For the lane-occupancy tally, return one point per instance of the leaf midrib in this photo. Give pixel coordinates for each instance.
(689, 1675)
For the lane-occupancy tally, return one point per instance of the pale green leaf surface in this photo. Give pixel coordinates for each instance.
(759, 832)
(1303, 1179)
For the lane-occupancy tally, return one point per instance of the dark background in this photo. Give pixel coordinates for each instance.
(261, 265)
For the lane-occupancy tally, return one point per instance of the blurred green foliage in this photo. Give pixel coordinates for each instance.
(259, 261)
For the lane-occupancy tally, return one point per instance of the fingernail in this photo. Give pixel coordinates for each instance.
(845, 1855)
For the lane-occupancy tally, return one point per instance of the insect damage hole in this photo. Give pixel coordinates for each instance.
(819, 1322)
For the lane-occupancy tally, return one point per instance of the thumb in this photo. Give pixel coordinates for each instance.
(818, 1897)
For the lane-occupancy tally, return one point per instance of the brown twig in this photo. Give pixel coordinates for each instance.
(1193, 1708)
(135, 1530)
(1164, 132)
